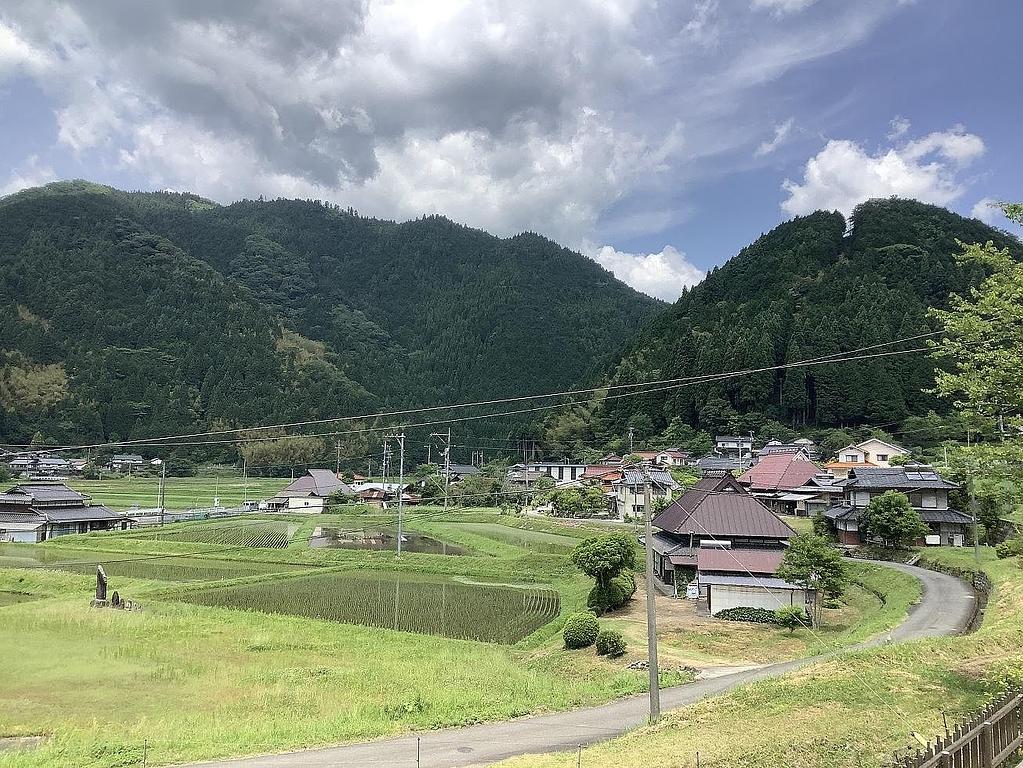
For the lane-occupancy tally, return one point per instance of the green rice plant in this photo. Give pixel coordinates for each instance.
(419, 603)
(266, 534)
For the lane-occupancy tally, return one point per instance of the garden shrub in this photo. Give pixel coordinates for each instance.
(757, 615)
(617, 593)
(581, 630)
(1010, 548)
(791, 617)
(610, 643)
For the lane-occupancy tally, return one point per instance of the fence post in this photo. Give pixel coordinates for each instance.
(945, 760)
(987, 745)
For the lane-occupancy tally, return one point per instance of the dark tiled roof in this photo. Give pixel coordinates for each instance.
(464, 469)
(712, 462)
(714, 507)
(896, 478)
(659, 477)
(765, 561)
(46, 492)
(317, 482)
(846, 512)
(79, 514)
(8, 516)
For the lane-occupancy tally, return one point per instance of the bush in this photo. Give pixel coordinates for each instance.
(610, 643)
(581, 630)
(791, 617)
(1010, 548)
(757, 615)
(617, 593)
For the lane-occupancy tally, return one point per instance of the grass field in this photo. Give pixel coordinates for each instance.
(181, 492)
(201, 681)
(850, 711)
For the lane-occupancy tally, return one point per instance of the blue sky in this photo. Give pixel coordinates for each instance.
(657, 139)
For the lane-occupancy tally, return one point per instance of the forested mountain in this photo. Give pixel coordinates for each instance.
(813, 286)
(127, 315)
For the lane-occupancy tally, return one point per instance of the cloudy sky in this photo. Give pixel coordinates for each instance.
(655, 137)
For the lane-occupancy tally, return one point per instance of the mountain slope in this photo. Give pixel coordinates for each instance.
(809, 287)
(131, 314)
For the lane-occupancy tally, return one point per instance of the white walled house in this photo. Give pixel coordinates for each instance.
(872, 451)
(308, 493)
(629, 491)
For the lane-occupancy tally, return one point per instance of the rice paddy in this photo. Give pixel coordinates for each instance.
(433, 605)
(264, 534)
(116, 564)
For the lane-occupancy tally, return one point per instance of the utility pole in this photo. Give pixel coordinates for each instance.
(632, 434)
(429, 453)
(163, 486)
(447, 461)
(400, 437)
(973, 512)
(245, 480)
(651, 614)
(337, 466)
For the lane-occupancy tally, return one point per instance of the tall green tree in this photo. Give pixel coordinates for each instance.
(890, 518)
(811, 561)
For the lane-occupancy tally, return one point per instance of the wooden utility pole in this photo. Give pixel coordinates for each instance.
(651, 612)
(400, 437)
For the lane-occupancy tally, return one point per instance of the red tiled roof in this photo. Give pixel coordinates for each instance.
(763, 561)
(779, 472)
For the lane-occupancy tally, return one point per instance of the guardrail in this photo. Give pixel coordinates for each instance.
(986, 741)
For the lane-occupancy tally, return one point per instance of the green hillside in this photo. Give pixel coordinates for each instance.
(813, 286)
(126, 315)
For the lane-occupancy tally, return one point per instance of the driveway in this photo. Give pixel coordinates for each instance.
(945, 609)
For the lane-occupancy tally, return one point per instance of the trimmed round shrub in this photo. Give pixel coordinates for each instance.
(1010, 548)
(791, 617)
(617, 593)
(610, 643)
(581, 630)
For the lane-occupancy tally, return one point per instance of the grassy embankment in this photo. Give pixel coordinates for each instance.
(181, 492)
(199, 681)
(849, 711)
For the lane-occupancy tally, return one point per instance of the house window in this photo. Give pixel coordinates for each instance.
(882, 457)
(851, 457)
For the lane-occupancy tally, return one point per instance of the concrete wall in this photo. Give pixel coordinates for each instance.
(724, 597)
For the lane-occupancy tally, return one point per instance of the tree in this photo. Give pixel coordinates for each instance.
(791, 617)
(811, 562)
(890, 518)
(982, 352)
(602, 558)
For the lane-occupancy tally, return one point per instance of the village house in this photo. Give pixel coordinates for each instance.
(34, 512)
(927, 492)
(775, 478)
(712, 463)
(734, 447)
(669, 457)
(563, 472)
(727, 543)
(800, 445)
(869, 453)
(458, 472)
(125, 463)
(40, 465)
(629, 499)
(308, 493)
(605, 475)
(820, 492)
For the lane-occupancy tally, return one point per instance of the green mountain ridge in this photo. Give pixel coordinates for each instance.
(813, 286)
(126, 315)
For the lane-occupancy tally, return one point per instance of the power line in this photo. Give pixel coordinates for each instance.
(149, 442)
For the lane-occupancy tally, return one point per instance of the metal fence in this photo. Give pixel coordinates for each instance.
(987, 741)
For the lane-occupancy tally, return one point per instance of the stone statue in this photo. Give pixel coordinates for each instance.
(101, 584)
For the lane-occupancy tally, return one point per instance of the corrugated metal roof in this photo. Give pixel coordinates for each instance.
(741, 560)
(714, 507)
(780, 472)
(762, 582)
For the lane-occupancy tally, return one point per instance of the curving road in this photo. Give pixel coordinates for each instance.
(945, 609)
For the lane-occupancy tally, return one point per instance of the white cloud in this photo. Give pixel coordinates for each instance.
(782, 6)
(986, 210)
(898, 127)
(663, 275)
(844, 174)
(31, 174)
(555, 117)
(781, 135)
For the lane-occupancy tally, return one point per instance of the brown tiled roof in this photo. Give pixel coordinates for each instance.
(779, 472)
(719, 506)
(738, 560)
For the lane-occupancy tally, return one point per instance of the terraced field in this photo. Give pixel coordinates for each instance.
(246, 532)
(536, 541)
(433, 605)
(116, 564)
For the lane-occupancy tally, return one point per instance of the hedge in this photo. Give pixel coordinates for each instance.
(756, 615)
(581, 630)
(610, 643)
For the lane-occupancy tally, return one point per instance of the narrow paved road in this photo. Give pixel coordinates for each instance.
(945, 609)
